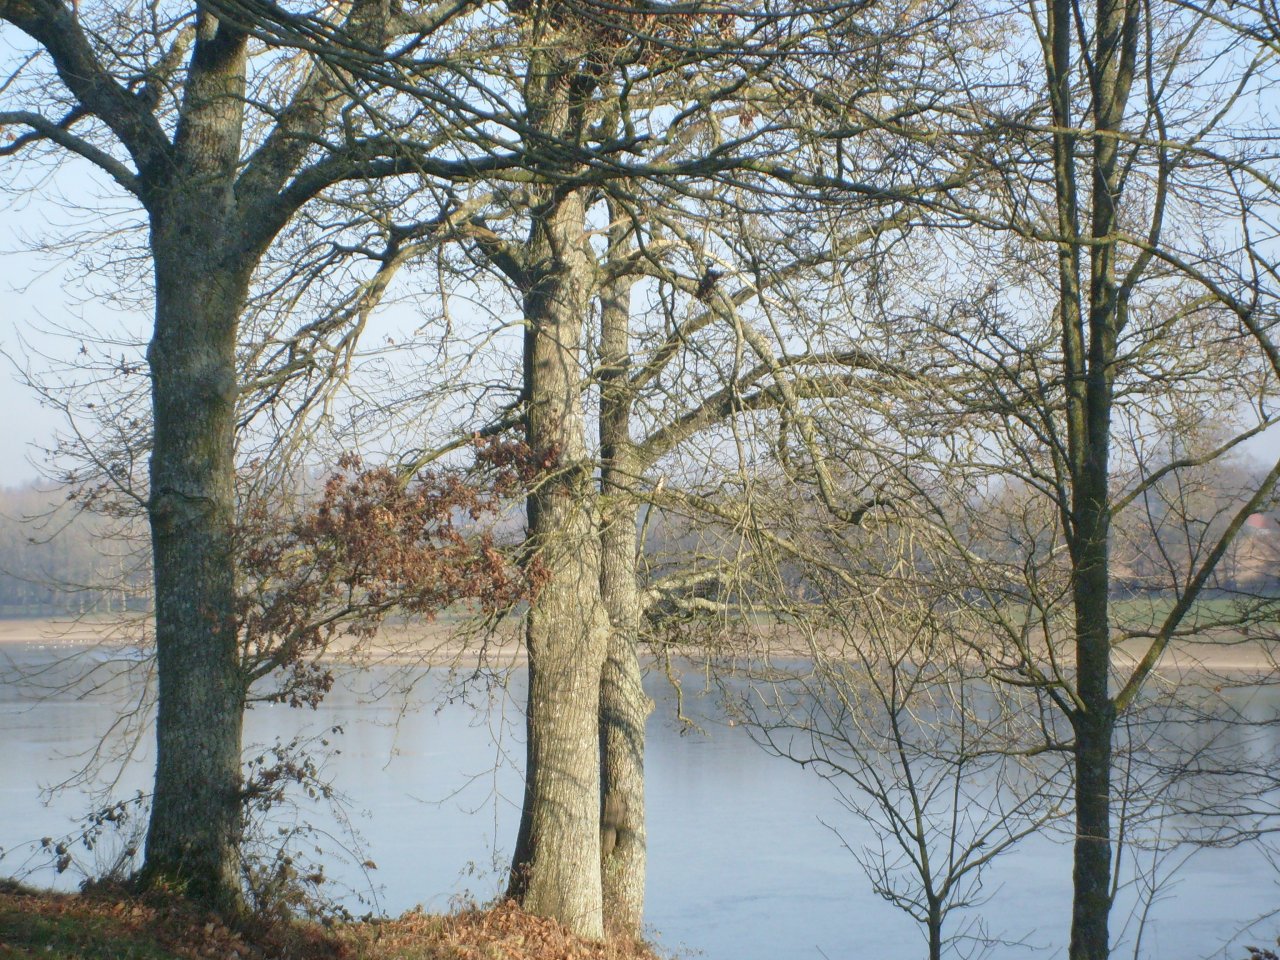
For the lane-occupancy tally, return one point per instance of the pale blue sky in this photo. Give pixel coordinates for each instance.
(39, 293)
(33, 296)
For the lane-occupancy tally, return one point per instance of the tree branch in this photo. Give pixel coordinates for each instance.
(45, 129)
(54, 26)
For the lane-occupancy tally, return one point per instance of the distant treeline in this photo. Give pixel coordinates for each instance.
(56, 558)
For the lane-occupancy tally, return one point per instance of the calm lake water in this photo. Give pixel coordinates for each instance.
(744, 864)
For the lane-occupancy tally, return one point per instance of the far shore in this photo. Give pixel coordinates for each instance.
(436, 643)
(446, 642)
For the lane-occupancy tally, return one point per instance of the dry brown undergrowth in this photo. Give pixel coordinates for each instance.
(502, 931)
(108, 923)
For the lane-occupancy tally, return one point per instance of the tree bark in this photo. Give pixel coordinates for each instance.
(1091, 854)
(194, 833)
(202, 278)
(624, 706)
(935, 930)
(1093, 721)
(1089, 346)
(555, 870)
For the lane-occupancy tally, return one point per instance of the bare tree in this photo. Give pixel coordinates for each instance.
(1110, 73)
(947, 768)
(219, 156)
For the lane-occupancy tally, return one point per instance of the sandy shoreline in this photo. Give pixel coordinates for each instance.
(444, 644)
(437, 644)
(58, 632)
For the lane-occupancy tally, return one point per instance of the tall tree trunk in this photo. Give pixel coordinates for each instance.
(211, 218)
(624, 706)
(201, 277)
(194, 833)
(1110, 71)
(556, 868)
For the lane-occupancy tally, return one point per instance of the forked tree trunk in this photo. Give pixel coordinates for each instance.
(624, 706)
(1094, 723)
(556, 868)
(1090, 334)
(201, 277)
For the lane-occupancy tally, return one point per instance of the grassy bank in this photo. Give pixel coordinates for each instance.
(113, 924)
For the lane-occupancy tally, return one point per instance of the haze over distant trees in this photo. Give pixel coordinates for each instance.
(58, 560)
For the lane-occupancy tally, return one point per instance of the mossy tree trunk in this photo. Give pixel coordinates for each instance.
(202, 278)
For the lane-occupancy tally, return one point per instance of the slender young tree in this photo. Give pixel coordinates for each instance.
(1097, 60)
